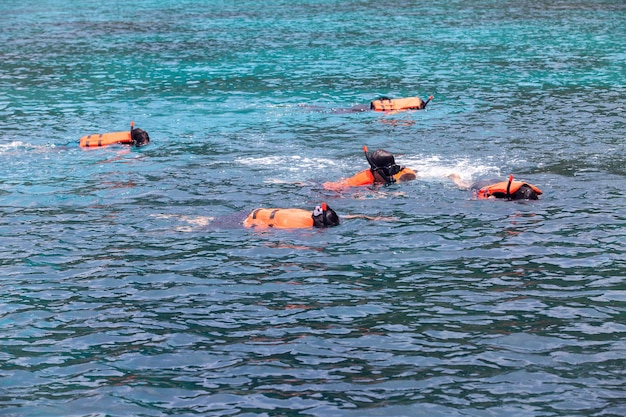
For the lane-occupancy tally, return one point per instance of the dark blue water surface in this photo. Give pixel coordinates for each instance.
(129, 290)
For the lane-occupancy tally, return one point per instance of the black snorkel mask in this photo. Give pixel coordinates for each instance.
(386, 172)
(322, 211)
(324, 216)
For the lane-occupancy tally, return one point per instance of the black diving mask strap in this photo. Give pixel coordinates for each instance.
(132, 140)
(508, 187)
(321, 210)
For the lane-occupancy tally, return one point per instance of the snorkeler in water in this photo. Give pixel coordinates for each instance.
(383, 170)
(292, 218)
(133, 137)
(383, 104)
(387, 104)
(495, 189)
(322, 216)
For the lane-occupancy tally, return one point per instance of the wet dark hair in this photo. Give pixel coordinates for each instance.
(328, 218)
(139, 137)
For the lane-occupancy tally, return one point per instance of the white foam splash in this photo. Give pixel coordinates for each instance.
(429, 168)
(17, 145)
(6, 147)
(436, 167)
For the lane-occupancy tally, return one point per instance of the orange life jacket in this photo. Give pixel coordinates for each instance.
(365, 177)
(389, 104)
(499, 190)
(104, 139)
(279, 218)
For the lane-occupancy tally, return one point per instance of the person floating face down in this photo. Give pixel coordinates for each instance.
(134, 137)
(386, 104)
(383, 170)
(399, 104)
(276, 218)
(291, 218)
(507, 190)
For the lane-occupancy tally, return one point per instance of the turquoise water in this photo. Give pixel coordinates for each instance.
(118, 300)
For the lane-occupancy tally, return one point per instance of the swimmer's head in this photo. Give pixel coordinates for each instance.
(381, 158)
(383, 163)
(139, 137)
(501, 190)
(525, 192)
(324, 216)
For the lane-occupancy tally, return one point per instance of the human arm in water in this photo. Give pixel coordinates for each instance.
(459, 182)
(372, 218)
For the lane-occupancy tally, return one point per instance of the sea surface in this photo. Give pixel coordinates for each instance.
(128, 290)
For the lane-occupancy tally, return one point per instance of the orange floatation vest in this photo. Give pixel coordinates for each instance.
(395, 104)
(365, 177)
(279, 218)
(105, 139)
(499, 190)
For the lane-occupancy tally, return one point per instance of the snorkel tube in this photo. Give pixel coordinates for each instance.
(133, 142)
(508, 187)
(427, 101)
(389, 179)
(367, 156)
